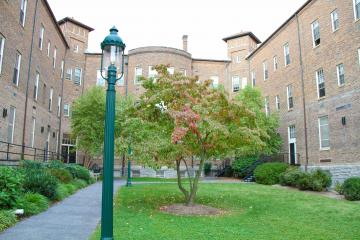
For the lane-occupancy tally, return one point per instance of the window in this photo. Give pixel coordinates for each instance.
(335, 20)
(287, 54)
(238, 59)
(32, 137)
(44, 93)
(138, 75)
(62, 69)
(23, 6)
(320, 81)
(315, 33)
(51, 98)
(267, 106)
(100, 81)
(76, 48)
(275, 63)
(290, 97)
(292, 132)
(253, 79)
(171, 70)
(54, 58)
(2, 46)
(11, 124)
(121, 81)
(66, 110)
(36, 86)
(41, 37)
(68, 74)
(266, 70)
(215, 81)
(359, 55)
(236, 83)
(340, 74)
(357, 9)
(48, 49)
(277, 102)
(59, 106)
(324, 135)
(183, 71)
(152, 72)
(77, 76)
(17, 69)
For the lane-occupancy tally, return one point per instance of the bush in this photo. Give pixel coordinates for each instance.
(339, 188)
(79, 183)
(61, 192)
(61, 174)
(39, 181)
(79, 172)
(351, 189)
(56, 165)
(207, 168)
(290, 177)
(31, 165)
(268, 173)
(33, 203)
(242, 164)
(71, 188)
(11, 186)
(317, 180)
(7, 219)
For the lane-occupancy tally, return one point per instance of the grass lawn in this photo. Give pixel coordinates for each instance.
(253, 212)
(149, 179)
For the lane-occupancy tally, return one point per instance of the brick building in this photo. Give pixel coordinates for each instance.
(308, 71)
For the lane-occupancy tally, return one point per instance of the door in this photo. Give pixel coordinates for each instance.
(292, 154)
(292, 145)
(72, 154)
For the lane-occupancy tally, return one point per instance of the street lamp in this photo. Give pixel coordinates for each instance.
(112, 61)
(128, 182)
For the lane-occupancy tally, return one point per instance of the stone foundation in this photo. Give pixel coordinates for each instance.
(339, 173)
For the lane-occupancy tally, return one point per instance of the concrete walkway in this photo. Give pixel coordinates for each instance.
(75, 218)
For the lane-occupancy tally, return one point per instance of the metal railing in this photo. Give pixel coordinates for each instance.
(11, 154)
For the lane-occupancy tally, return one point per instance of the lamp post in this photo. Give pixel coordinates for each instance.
(128, 181)
(112, 59)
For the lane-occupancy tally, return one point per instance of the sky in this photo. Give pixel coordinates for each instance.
(163, 22)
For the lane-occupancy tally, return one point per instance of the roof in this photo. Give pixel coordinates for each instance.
(278, 30)
(210, 60)
(53, 18)
(242, 34)
(68, 19)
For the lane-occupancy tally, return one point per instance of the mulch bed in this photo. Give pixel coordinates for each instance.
(195, 210)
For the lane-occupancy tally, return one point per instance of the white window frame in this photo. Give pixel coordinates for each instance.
(234, 90)
(265, 70)
(137, 75)
(76, 48)
(267, 106)
(23, 8)
(277, 102)
(287, 54)
(69, 74)
(183, 71)
(171, 70)
(78, 83)
(59, 106)
(12, 125)
(18, 67)
(338, 68)
(275, 61)
(36, 86)
(33, 132)
(48, 48)
(289, 94)
(54, 58)
(51, 98)
(317, 75)
(152, 73)
(214, 81)
(2, 47)
(356, 15)
(253, 79)
(66, 110)
(41, 37)
(320, 133)
(62, 69)
(313, 32)
(333, 20)
(238, 59)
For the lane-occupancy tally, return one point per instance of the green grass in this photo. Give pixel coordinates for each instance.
(253, 212)
(149, 179)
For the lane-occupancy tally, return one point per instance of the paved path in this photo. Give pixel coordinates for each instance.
(75, 218)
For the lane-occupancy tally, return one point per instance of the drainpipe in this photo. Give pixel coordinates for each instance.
(303, 94)
(28, 80)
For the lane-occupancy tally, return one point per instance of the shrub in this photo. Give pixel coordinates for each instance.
(56, 165)
(11, 186)
(71, 188)
(61, 192)
(31, 165)
(242, 164)
(351, 189)
(339, 188)
(39, 181)
(7, 219)
(207, 168)
(268, 173)
(79, 172)
(62, 175)
(33, 203)
(79, 183)
(290, 177)
(317, 180)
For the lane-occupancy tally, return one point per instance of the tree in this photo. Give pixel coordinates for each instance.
(203, 122)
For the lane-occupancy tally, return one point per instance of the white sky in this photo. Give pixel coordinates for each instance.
(163, 22)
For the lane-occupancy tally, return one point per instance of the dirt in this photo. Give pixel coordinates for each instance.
(195, 210)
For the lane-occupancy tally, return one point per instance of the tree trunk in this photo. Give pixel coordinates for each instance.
(193, 190)
(182, 189)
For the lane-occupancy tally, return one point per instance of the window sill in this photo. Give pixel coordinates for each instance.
(335, 31)
(315, 47)
(324, 149)
(342, 85)
(321, 98)
(291, 109)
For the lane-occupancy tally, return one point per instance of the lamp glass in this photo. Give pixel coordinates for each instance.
(112, 55)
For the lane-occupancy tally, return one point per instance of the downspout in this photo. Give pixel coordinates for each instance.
(61, 103)
(28, 80)
(303, 94)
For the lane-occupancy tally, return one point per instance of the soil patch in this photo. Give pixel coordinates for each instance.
(196, 210)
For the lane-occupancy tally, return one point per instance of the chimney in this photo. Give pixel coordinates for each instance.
(185, 42)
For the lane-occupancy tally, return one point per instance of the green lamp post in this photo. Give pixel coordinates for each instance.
(128, 181)
(112, 64)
